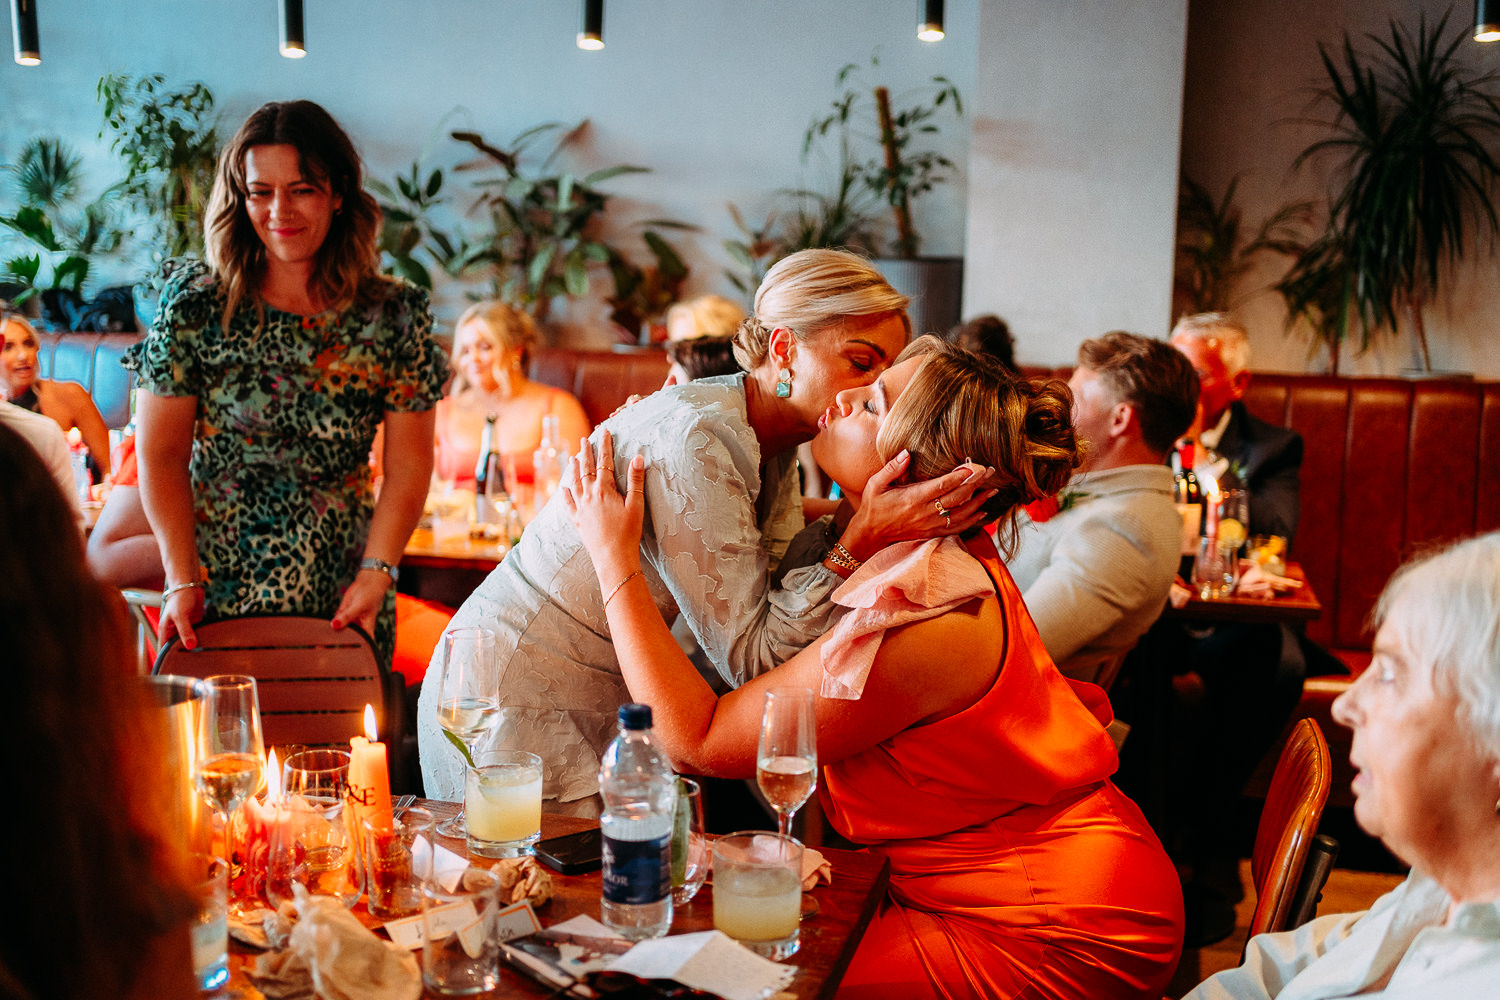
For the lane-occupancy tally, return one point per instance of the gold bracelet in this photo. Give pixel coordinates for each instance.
(842, 558)
(622, 583)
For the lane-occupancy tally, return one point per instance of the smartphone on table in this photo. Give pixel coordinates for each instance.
(572, 853)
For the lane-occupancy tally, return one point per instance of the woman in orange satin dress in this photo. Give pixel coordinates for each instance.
(950, 742)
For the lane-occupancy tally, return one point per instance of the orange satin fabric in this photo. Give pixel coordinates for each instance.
(1017, 868)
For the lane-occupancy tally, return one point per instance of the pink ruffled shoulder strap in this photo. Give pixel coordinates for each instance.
(903, 583)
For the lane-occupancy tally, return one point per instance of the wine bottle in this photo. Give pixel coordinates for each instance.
(489, 479)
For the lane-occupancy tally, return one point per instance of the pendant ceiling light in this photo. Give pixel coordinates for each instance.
(930, 27)
(293, 35)
(591, 32)
(1486, 21)
(23, 31)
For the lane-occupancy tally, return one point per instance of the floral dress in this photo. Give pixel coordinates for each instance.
(287, 413)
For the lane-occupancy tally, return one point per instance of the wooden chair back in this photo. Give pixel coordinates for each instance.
(313, 681)
(1288, 824)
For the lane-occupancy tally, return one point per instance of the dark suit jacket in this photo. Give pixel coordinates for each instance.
(1270, 459)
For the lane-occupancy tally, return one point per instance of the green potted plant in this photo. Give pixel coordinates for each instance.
(407, 227)
(879, 165)
(542, 237)
(1412, 129)
(58, 232)
(1214, 250)
(168, 140)
(642, 295)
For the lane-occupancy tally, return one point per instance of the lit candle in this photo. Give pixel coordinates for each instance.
(369, 778)
(260, 824)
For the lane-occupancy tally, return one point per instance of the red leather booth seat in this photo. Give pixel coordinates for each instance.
(602, 380)
(1391, 467)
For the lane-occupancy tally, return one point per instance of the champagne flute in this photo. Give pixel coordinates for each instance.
(468, 698)
(231, 755)
(786, 762)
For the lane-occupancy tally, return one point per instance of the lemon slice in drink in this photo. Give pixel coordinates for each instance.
(1231, 533)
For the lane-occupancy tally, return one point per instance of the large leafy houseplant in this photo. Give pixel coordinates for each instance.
(879, 144)
(168, 140)
(58, 232)
(1413, 130)
(1215, 247)
(542, 239)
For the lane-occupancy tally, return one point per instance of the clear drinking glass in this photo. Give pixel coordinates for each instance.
(758, 891)
(786, 762)
(468, 696)
(1216, 570)
(690, 853)
(503, 804)
(231, 759)
(312, 844)
(398, 862)
(460, 948)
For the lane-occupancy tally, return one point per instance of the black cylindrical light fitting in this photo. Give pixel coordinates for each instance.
(591, 31)
(24, 32)
(293, 33)
(1486, 21)
(930, 27)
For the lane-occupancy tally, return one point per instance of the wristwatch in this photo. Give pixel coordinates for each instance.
(389, 569)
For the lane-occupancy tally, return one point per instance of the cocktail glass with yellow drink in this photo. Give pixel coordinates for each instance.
(503, 803)
(757, 891)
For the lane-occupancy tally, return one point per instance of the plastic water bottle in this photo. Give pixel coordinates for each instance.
(640, 801)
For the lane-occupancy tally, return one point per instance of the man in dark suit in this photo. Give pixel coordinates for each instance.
(1266, 458)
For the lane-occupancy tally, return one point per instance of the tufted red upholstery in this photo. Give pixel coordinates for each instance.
(1391, 466)
(601, 380)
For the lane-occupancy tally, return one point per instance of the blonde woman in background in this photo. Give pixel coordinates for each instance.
(722, 508)
(492, 346)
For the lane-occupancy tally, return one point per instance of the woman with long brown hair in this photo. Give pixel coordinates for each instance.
(263, 380)
(104, 909)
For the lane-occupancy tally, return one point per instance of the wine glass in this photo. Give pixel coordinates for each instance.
(468, 697)
(786, 763)
(231, 755)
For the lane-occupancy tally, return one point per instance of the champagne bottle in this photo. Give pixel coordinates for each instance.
(489, 479)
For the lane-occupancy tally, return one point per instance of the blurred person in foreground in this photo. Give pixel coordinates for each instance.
(1426, 721)
(948, 742)
(1095, 564)
(99, 893)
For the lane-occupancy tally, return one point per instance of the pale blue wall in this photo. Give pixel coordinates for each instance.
(712, 94)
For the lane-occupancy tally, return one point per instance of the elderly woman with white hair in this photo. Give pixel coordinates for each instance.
(1426, 721)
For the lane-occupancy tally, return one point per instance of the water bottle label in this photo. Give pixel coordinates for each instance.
(637, 871)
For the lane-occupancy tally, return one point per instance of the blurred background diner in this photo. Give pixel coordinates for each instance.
(492, 348)
(65, 403)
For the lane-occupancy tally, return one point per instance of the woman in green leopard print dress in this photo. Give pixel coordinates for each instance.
(264, 378)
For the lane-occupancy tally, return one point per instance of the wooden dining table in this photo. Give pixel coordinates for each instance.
(1290, 607)
(829, 935)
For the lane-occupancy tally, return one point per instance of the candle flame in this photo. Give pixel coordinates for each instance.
(370, 723)
(273, 778)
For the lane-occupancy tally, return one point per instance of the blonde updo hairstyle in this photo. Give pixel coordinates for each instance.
(811, 291)
(508, 329)
(962, 407)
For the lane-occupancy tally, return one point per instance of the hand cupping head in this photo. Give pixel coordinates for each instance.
(960, 407)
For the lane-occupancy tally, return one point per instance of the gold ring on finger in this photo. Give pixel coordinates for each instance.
(942, 511)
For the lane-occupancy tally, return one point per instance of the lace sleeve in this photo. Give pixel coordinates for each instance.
(707, 546)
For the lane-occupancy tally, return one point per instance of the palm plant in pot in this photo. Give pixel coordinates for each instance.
(896, 170)
(1413, 130)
